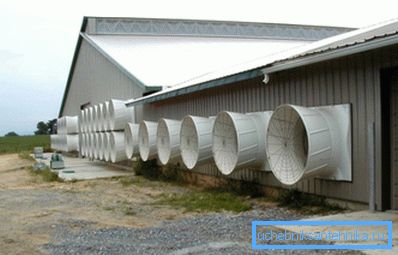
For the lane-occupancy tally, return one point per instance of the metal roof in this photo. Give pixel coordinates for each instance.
(171, 60)
(360, 40)
(144, 49)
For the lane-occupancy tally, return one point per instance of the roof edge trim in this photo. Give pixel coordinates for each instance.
(72, 68)
(331, 54)
(198, 87)
(118, 66)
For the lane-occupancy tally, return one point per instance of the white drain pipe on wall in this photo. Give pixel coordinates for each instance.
(120, 115)
(196, 140)
(168, 139)
(239, 141)
(117, 150)
(131, 141)
(147, 139)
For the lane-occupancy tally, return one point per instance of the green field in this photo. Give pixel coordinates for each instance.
(18, 144)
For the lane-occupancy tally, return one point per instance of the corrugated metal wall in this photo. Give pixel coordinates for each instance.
(354, 79)
(95, 79)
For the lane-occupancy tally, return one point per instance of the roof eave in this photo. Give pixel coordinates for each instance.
(331, 54)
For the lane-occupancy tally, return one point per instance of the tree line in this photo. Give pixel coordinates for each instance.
(43, 128)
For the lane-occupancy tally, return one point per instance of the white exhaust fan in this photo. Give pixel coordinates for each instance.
(106, 146)
(80, 121)
(147, 139)
(304, 142)
(85, 120)
(168, 139)
(90, 119)
(239, 141)
(196, 140)
(95, 145)
(105, 116)
(90, 145)
(117, 150)
(120, 114)
(99, 117)
(131, 141)
(68, 125)
(102, 146)
(84, 145)
(94, 122)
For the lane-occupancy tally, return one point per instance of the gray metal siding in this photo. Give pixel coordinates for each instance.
(95, 79)
(354, 79)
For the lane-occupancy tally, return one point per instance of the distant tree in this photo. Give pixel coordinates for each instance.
(11, 134)
(42, 128)
(52, 125)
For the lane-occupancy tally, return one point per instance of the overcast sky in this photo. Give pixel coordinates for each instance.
(38, 39)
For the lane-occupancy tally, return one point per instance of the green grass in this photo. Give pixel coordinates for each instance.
(206, 201)
(19, 144)
(46, 175)
(26, 155)
(306, 203)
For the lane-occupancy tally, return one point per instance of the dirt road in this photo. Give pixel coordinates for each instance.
(113, 216)
(30, 209)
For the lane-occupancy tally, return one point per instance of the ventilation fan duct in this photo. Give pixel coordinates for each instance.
(98, 118)
(105, 116)
(55, 142)
(66, 143)
(116, 144)
(95, 118)
(71, 143)
(168, 139)
(107, 149)
(85, 120)
(119, 114)
(89, 119)
(84, 145)
(90, 145)
(68, 125)
(147, 139)
(239, 141)
(101, 146)
(80, 121)
(131, 141)
(305, 142)
(95, 146)
(196, 140)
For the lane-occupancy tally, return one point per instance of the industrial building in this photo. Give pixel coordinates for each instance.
(173, 68)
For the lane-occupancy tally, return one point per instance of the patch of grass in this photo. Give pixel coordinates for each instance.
(127, 180)
(206, 201)
(18, 144)
(172, 173)
(129, 211)
(26, 155)
(148, 169)
(306, 203)
(46, 175)
(239, 187)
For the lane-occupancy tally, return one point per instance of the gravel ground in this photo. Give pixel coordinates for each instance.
(216, 233)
